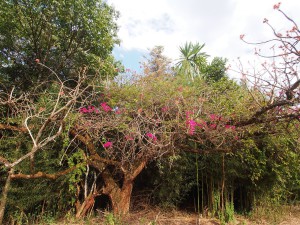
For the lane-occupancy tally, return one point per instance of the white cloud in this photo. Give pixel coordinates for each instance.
(217, 23)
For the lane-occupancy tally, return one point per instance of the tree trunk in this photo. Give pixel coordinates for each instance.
(120, 195)
(4, 195)
(223, 184)
(120, 198)
(86, 206)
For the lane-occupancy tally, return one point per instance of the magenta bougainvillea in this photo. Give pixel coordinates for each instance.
(89, 109)
(151, 136)
(191, 127)
(107, 144)
(164, 109)
(214, 117)
(129, 137)
(229, 127)
(213, 126)
(105, 107)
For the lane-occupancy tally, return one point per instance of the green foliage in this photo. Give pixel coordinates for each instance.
(258, 163)
(76, 159)
(229, 212)
(111, 219)
(174, 180)
(216, 204)
(216, 70)
(63, 35)
(192, 60)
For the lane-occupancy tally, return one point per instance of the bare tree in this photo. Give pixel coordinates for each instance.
(40, 124)
(275, 85)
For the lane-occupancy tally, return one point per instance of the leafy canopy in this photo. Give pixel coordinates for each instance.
(64, 35)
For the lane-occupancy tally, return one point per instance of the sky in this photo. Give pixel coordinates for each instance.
(144, 24)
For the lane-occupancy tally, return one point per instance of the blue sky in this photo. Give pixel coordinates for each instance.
(130, 58)
(217, 23)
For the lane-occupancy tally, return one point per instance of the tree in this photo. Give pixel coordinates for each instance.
(215, 70)
(62, 35)
(29, 126)
(157, 64)
(191, 60)
(158, 116)
(277, 82)
(145, 120)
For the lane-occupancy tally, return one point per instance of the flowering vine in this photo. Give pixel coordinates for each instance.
(107, 144)
(151, 136)
(89, 109)
(105, 107)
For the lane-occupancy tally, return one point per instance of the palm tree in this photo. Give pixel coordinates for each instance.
(191, 59)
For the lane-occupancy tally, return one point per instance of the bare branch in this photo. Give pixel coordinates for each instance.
(43, 175)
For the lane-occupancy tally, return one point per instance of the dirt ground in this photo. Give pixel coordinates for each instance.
(156, 216)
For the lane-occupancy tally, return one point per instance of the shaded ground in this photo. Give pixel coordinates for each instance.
(155, 216)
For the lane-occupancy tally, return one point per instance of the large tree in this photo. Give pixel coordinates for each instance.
(63, 35)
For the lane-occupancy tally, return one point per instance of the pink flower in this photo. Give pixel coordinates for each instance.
(213, 126)
(188, 113)
(91, 109)
(192, 127)
(229, 127)
(107, 144)
(276, 6)
(202, 124)
(129, 138)
(188, 116)
(105, 107)
(151, 136)
(83, 110)
(242, 36)
(164, 109)
(118, 112)
(214, 117)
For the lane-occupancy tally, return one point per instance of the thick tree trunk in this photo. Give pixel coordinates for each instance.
(4, 195)
(120, 198)
(120, 195)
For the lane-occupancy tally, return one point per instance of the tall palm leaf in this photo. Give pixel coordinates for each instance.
(191, 59)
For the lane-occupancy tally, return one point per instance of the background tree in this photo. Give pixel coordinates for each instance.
(63, 35)
(215, 70)
(191, 60)
(157, 64)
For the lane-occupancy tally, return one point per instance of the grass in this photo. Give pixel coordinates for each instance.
(276, 214)
(282, 215)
